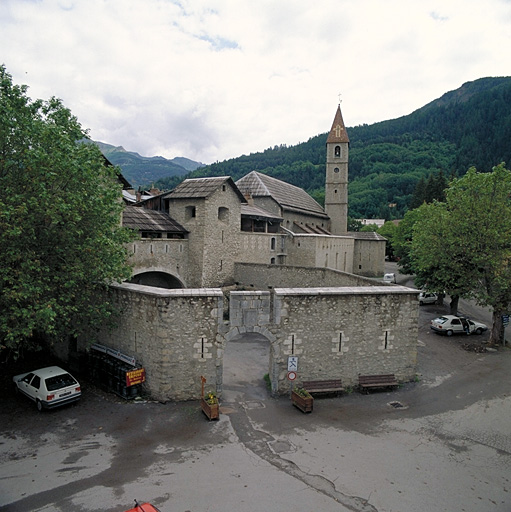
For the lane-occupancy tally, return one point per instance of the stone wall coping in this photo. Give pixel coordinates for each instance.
(318, 236)
(245, 293)
(165, 292)
(349, 290)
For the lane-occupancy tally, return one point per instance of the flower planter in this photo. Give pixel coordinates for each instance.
(210, 410)
(305, 404)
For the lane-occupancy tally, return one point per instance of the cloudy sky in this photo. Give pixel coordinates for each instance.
(214, 79)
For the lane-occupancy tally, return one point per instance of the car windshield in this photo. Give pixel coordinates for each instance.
(441, 320)
(59, 381)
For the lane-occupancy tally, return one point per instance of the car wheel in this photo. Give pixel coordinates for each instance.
(449, 332)
(479, 331)
(39, 405)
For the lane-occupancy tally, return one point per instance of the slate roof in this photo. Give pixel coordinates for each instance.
(366, 235)
(287, 196)
(202, 188)
(248, 210)
(338, 131)
(150, 220)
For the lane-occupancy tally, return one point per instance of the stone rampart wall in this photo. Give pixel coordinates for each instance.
(369, 258)
(180, 335)
(173, 334)
(263, 277)
(341, 333)
(163, 255)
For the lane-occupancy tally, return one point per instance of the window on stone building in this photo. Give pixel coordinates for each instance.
(337, 151)
(190, 212)
(259, 226)
(272, 261)
(223, 214)
(272, 243)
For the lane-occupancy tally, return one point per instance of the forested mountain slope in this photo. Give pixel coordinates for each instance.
(465, 127)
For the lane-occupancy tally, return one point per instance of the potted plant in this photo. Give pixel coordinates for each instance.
(302, 399)
(210, 405)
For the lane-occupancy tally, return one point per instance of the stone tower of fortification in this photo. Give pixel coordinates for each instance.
(336, 184)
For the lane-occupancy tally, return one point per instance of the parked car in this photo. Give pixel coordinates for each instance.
(48, 387)
(427, 298)
(389, 278)
(450, 324)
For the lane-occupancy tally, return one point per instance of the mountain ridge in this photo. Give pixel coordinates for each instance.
(469, 126)
(144, 170)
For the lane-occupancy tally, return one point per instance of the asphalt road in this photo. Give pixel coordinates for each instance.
(442, 443)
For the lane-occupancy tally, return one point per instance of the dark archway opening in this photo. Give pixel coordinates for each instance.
(157, 279)
(246, 361)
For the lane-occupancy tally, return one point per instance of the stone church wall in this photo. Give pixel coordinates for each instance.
(303, 219)
(321, 251)
(257, 247)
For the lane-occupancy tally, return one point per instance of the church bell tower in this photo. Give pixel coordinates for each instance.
(336, 184)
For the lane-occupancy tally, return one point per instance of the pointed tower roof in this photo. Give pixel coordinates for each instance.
(338, 131)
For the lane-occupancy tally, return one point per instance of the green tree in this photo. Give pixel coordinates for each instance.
(436, 256)
(402, 241)
(60, 233)
(354, 224)
(465, 243)
(388, 231)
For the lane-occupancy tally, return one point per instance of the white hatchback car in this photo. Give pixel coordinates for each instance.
(48, 387)
(427, 298)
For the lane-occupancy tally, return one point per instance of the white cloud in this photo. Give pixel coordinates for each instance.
(214, 79)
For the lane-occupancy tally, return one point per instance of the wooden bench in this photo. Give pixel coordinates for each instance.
(377, 381)
(323, 386)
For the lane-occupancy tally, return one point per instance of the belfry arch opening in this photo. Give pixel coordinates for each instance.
(157, 279)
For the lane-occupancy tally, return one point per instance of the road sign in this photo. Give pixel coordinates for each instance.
(505, 320)
(291, 375)
(292, 363)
